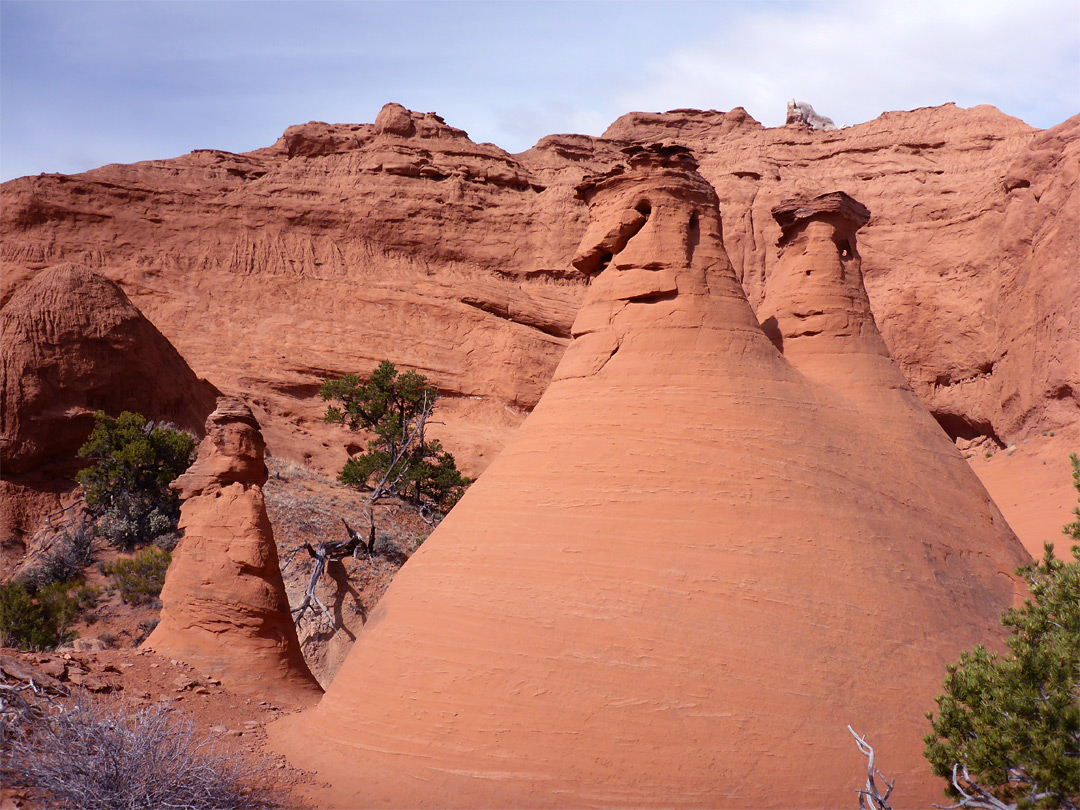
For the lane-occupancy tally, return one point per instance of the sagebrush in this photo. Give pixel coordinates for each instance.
(139, 578)
(90, 757)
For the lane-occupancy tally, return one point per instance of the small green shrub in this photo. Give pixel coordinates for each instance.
(128, 485)
(65, 561)
(38, 621)
(139, 578)
(85, 597)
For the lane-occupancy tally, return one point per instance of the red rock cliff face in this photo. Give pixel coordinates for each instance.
(975, 220)
(693, 564)
(342, 245)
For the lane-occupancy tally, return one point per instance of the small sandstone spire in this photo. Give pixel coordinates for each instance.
(224, 607)
(816, 310)
(816, 293)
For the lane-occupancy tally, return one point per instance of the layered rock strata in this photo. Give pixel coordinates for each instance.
(224, 607)
(690, 570)
(404, 240)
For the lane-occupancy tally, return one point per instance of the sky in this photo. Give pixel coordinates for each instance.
(86, 83)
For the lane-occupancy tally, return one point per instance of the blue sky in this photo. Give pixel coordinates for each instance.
(87, 83)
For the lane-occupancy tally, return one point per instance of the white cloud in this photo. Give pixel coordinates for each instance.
(91, 83)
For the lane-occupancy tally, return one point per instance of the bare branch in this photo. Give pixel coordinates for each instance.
(870, 797)
(971, 793)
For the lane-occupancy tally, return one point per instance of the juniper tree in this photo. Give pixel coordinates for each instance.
(128, 484)
(394, 408)
(1007, 731)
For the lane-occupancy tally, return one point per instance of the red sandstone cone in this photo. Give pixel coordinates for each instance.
(224, 608)
(72, 343)
(690, 570)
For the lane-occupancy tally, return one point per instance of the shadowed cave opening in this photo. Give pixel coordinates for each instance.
(959, 426)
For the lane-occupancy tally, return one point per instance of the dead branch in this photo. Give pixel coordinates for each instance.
(870, 797)
(972, 794)
(80, 501)
(337, 550)
(327, 552)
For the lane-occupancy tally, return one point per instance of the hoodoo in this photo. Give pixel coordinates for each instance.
(693, 566)
(224, 607)
(816, 310)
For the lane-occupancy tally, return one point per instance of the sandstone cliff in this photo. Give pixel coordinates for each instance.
(696, 561)
(405, 240)
(975, 230)
(224, 608)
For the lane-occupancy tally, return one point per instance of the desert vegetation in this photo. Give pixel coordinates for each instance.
(127, 486)
(394, 408)
(1006, 735)
(1007, 729)
(129, 505)
(82, 753)
(140, 577)
(38, 608)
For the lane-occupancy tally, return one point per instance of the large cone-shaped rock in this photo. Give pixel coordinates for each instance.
(71, 344)
(690, 570)
(224, 607)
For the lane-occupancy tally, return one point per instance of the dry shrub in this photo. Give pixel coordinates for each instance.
(94, 758)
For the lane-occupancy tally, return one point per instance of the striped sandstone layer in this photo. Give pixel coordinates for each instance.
(690, 569)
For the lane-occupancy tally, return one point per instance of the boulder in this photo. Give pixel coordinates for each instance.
(72, 344)
(803, 114)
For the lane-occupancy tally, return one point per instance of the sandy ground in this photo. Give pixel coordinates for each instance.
(137, 678)
(1031, 482)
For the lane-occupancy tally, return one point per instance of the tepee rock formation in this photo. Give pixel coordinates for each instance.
(689, 570)
(224, 607)
(72, 343)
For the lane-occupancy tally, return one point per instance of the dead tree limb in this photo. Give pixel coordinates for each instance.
(388, 485)
(972, 794)
(870, 797)
(326, 552)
